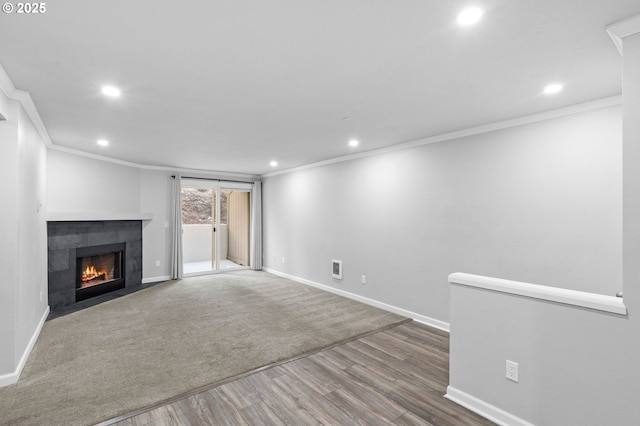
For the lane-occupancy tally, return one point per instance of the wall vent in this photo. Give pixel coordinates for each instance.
(337, 269)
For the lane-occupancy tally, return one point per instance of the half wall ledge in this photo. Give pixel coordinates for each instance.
(99, 216)
(583, 299)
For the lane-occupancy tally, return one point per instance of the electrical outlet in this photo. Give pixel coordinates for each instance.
(364, 279)
(157, 263)
(40, 297)
(283, 260)
(512, 371)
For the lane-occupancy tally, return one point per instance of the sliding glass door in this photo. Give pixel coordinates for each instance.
(215, 226)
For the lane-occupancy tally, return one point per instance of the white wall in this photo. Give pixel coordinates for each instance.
(536, 203)
(9, 232)
(81, 184)
(32, 297)
(631, 167)
(155, 198)
(23, 261)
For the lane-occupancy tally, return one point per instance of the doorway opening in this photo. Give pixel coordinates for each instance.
(215, 227)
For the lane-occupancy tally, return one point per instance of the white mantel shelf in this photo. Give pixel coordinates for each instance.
(93, 216)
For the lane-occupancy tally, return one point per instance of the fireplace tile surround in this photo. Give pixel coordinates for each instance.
(64, 237)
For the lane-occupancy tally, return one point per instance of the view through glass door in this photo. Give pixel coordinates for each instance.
(215, 227)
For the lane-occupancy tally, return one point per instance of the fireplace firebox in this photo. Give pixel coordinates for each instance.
(99, 270)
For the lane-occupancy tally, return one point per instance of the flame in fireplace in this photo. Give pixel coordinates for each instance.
(91, 274)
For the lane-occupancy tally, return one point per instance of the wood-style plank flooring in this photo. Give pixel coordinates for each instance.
(393, 377)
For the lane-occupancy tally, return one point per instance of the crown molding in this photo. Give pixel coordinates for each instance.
(203, 173)
(622, 29)
(500, 125)
(94, 156)
(197, 172)
(10, 91)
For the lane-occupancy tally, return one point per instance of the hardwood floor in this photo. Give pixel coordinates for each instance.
(393, 377)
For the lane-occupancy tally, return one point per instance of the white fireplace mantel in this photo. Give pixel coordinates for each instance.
(99, 216)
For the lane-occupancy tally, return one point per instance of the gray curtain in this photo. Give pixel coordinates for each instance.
(255, 257)
(176, 228)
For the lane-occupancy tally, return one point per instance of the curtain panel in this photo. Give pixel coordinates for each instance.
(176, 228)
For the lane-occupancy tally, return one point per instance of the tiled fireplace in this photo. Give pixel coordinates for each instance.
(91, 258)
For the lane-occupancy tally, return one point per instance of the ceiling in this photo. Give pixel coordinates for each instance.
(231, 85)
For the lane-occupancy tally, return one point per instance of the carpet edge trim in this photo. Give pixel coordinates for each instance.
(249, 373)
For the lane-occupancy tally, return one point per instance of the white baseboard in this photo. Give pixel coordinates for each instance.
(155, 279)
(484, 409)
(11, 378)
(432, 322)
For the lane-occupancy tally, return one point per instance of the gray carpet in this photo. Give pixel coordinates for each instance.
(135, 351)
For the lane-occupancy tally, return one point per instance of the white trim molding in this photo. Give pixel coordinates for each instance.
(24, 98)
(500, 125)
(11, 378)
(10, 91)
(432, 322)
(156, 279)
(90, 216)
(484, 409)
(210, 174)
(594, 301)
(622, 29)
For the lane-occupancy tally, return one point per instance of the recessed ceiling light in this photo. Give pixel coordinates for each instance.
(102, 142)
(111, 91)
(354, 142)
(552, 89)
(273, 163)
(470, 16)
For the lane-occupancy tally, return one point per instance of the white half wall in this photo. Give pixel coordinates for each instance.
(197, 242)
(577, 366)
(539, 202)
